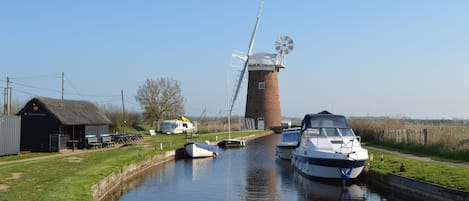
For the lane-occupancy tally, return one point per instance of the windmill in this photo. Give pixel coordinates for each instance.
(263, 99)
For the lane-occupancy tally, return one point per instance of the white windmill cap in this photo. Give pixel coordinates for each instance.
(262, 59)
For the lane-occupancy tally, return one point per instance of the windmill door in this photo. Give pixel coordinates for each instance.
(260, 123)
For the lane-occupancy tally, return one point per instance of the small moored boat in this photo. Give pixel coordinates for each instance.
(231, 143)
(288, 142)
(199, 150)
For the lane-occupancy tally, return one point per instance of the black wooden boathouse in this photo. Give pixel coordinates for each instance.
(53, 124)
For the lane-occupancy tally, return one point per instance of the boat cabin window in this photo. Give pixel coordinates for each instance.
(330, 132)
(346, 132)
(311, 132)
(324, 121)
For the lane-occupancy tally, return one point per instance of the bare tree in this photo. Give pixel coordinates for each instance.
(160, 99)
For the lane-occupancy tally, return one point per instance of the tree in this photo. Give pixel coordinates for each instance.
(114, 113)
(160, 99)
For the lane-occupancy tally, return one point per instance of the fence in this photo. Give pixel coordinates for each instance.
(407, 136)
(451, 137)
(10, 135)
(216, 125)
(247, 124)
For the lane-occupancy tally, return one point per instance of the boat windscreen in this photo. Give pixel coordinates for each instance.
(324, 121)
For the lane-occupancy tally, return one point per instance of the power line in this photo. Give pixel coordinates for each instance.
(69, 82)
(132, 101)
(24, 92)
(37, 77)
(58, 91)
(34, 87)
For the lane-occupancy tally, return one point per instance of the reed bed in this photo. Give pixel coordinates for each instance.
(447, 139)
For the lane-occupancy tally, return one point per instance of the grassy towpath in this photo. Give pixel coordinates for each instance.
(419, 158)
(450, 174)
(69, 176)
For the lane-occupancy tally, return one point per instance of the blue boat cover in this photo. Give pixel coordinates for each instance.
(290, 136)
(206, 146)
(324, 121)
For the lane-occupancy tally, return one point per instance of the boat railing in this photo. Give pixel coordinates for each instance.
(346, 144)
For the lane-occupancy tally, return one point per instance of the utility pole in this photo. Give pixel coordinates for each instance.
(10, 103)
(5, 101)
(123, 110)
(63, 75)
(8, 97)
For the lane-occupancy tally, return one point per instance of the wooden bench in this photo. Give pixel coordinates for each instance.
(93, 142)
(107, 141)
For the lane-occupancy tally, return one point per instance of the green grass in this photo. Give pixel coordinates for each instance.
(61, 178)
(434, 152)
(446, 175)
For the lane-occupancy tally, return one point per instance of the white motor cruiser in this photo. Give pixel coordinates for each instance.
(329, 148)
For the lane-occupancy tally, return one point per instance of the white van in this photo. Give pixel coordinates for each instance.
(176, 127)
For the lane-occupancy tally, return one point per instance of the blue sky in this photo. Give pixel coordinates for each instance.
(357, 58)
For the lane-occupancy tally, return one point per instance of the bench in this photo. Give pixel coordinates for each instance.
(107, 141)
(93, 142)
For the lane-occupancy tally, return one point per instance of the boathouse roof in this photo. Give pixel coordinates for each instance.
(69, 112)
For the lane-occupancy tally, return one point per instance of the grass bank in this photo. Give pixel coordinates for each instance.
(446, 175)
(434, 152)
(69, 177)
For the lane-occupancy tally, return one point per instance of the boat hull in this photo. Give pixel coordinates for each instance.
(328, 168)
(284, 152)
(232, 143)
(195, 150)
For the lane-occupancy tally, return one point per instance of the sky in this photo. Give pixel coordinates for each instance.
(395, 58)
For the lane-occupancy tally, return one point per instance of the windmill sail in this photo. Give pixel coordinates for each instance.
(243, 71)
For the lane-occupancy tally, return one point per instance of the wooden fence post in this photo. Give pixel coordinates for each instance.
(425, 132)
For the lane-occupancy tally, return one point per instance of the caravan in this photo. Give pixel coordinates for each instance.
(176, 127)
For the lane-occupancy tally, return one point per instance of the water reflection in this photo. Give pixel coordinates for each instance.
(261, 171)
(196, 168)
(251, 173)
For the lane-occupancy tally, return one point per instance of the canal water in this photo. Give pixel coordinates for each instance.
(250, 173)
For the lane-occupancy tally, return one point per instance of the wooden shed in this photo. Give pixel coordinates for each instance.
(52, 124)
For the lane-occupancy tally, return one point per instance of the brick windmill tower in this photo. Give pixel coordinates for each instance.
(263, 98)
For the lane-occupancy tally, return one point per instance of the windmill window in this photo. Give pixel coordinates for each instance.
(261, 85)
